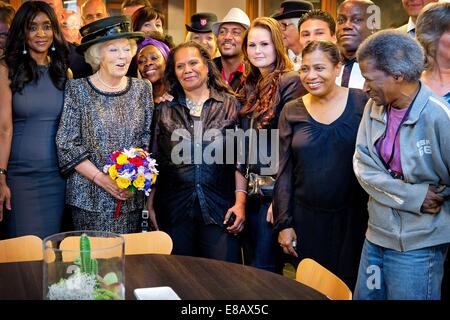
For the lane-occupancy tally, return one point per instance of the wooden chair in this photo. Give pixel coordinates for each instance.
(135, 243)
(70, 247)
(314, 275)
(26, 248)
(148, 242)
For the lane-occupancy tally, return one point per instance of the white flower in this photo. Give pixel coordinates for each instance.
(130, 153)
(127, 175)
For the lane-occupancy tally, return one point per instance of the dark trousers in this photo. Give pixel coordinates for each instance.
(192, 237)
(261, 249)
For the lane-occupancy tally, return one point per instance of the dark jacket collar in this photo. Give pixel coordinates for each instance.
(180, 97)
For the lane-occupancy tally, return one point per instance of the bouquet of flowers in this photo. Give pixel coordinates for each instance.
(132, 169)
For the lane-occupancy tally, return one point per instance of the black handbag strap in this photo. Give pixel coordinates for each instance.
(250, 142)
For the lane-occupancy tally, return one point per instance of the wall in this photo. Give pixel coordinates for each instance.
(392, 13)
(176, 17)
(220, 8)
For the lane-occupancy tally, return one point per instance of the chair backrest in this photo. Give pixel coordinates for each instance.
(70, 247)
(314, 275)
(135, 243)
(148, 242)
(26, 248)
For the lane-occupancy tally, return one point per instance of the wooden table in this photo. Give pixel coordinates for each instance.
(190, 277)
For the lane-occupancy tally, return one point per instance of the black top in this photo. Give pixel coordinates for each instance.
(192, 168)
(316, 159)
(316, 191)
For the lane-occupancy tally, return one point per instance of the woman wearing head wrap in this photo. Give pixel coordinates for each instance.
(151, 59)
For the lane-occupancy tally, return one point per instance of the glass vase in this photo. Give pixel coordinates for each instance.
(84, 265)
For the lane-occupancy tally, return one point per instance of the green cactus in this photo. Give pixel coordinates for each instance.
(88, 265)
(94, 266)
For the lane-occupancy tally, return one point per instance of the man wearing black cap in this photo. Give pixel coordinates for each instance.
(288, 16)
(200, 31)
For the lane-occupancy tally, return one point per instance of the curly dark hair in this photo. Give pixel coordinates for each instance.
(214, 77)
(23, 68)
(260, 95)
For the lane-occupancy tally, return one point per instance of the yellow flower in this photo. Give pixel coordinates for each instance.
(154, 176)
(113, 172)
(122, 183)
(139, 182)
(122, 159)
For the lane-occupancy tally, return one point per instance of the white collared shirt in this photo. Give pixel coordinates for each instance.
(410, 26)
(356, 79)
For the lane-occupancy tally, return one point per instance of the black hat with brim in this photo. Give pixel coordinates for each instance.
(111, 28)
(292, 9)
(201, 22)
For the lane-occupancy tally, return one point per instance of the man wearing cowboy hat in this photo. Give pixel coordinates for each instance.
(288, 16)
(230, 32)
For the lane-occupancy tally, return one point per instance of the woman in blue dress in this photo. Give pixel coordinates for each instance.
(32, 78)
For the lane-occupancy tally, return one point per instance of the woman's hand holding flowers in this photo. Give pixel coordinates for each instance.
(108, 184)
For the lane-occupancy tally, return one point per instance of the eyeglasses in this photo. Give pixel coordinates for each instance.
(284, 26)
(94, 16)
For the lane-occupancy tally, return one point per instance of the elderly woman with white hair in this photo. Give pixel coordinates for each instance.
(103, 113)
(402, 160)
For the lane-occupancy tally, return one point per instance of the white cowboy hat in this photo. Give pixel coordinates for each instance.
(235, 15)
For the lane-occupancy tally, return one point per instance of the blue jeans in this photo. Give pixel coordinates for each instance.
(386, 274)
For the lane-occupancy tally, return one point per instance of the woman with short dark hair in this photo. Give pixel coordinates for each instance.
(148, 19)
(32, 78)
(319, 206)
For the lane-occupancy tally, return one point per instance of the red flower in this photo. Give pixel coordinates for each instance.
(115, 155)
(137, 161)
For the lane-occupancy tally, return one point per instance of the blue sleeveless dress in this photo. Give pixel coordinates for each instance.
(37, 188)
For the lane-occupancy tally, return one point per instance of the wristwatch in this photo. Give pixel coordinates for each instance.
(3, 171)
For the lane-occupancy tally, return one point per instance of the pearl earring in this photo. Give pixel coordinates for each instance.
(53, 47)
(24, 51)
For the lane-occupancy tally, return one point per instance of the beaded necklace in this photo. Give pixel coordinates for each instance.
(106, 85)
